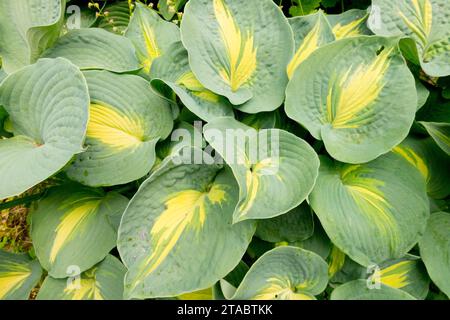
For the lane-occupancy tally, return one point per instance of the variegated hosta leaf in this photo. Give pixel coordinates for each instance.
(176, 235)
(296, 225)
(117, 19)
(151, 35)
(48, 108)
(360, 107)
(275, 169)
(169, 8)
(239, 50)
(284, 273)
(2, 75)
(425, 21)
(75, 226)
(435, 250)
(27, 28)
(431, 161)
(126, 121)
(18, 275)
(407, 273)
(173, 70)
(104, 281)
(364, 290)
(440, 132)
(350, 23)
(310, 32)
(373, 212)
(95, 48)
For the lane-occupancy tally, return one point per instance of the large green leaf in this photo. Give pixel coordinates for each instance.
(275, 169)
(360, 107)
(431, 161)
(373, 212)
(284, 273)
(75, 226)
(310, 32)
(27, 28)
(360, 290)
(296, 225)
(350, 23)
(96, 48)
(435, 250)
(48, 106)
(151, 35)
(407, 273)
(104, 281)
(239, 50)
(173, 69)
(126, 121)
(18, 275)
(176, 235)
(425, 21)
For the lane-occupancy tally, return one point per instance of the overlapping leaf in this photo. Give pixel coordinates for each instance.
(176, 234)
(275, 169)
(126, 121)
(310, 32)
(236, 57)
(75, 226)
(350, 23)
(431, 161)
(173, 70)
(151, 35)
(27, 28)
(284, 273)
(48, 107)
(373, 212)
(95, 48)
(425, 22)
(360, 107)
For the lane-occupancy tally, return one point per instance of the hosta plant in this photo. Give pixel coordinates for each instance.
(225, 149)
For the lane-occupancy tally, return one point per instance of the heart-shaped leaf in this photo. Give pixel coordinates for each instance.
(239, 50)
(373, 212)
(48, 107)
(126, 121)
(284, 273)
(275, 169)
(177, 225)
(360, 107)
(75, 226)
